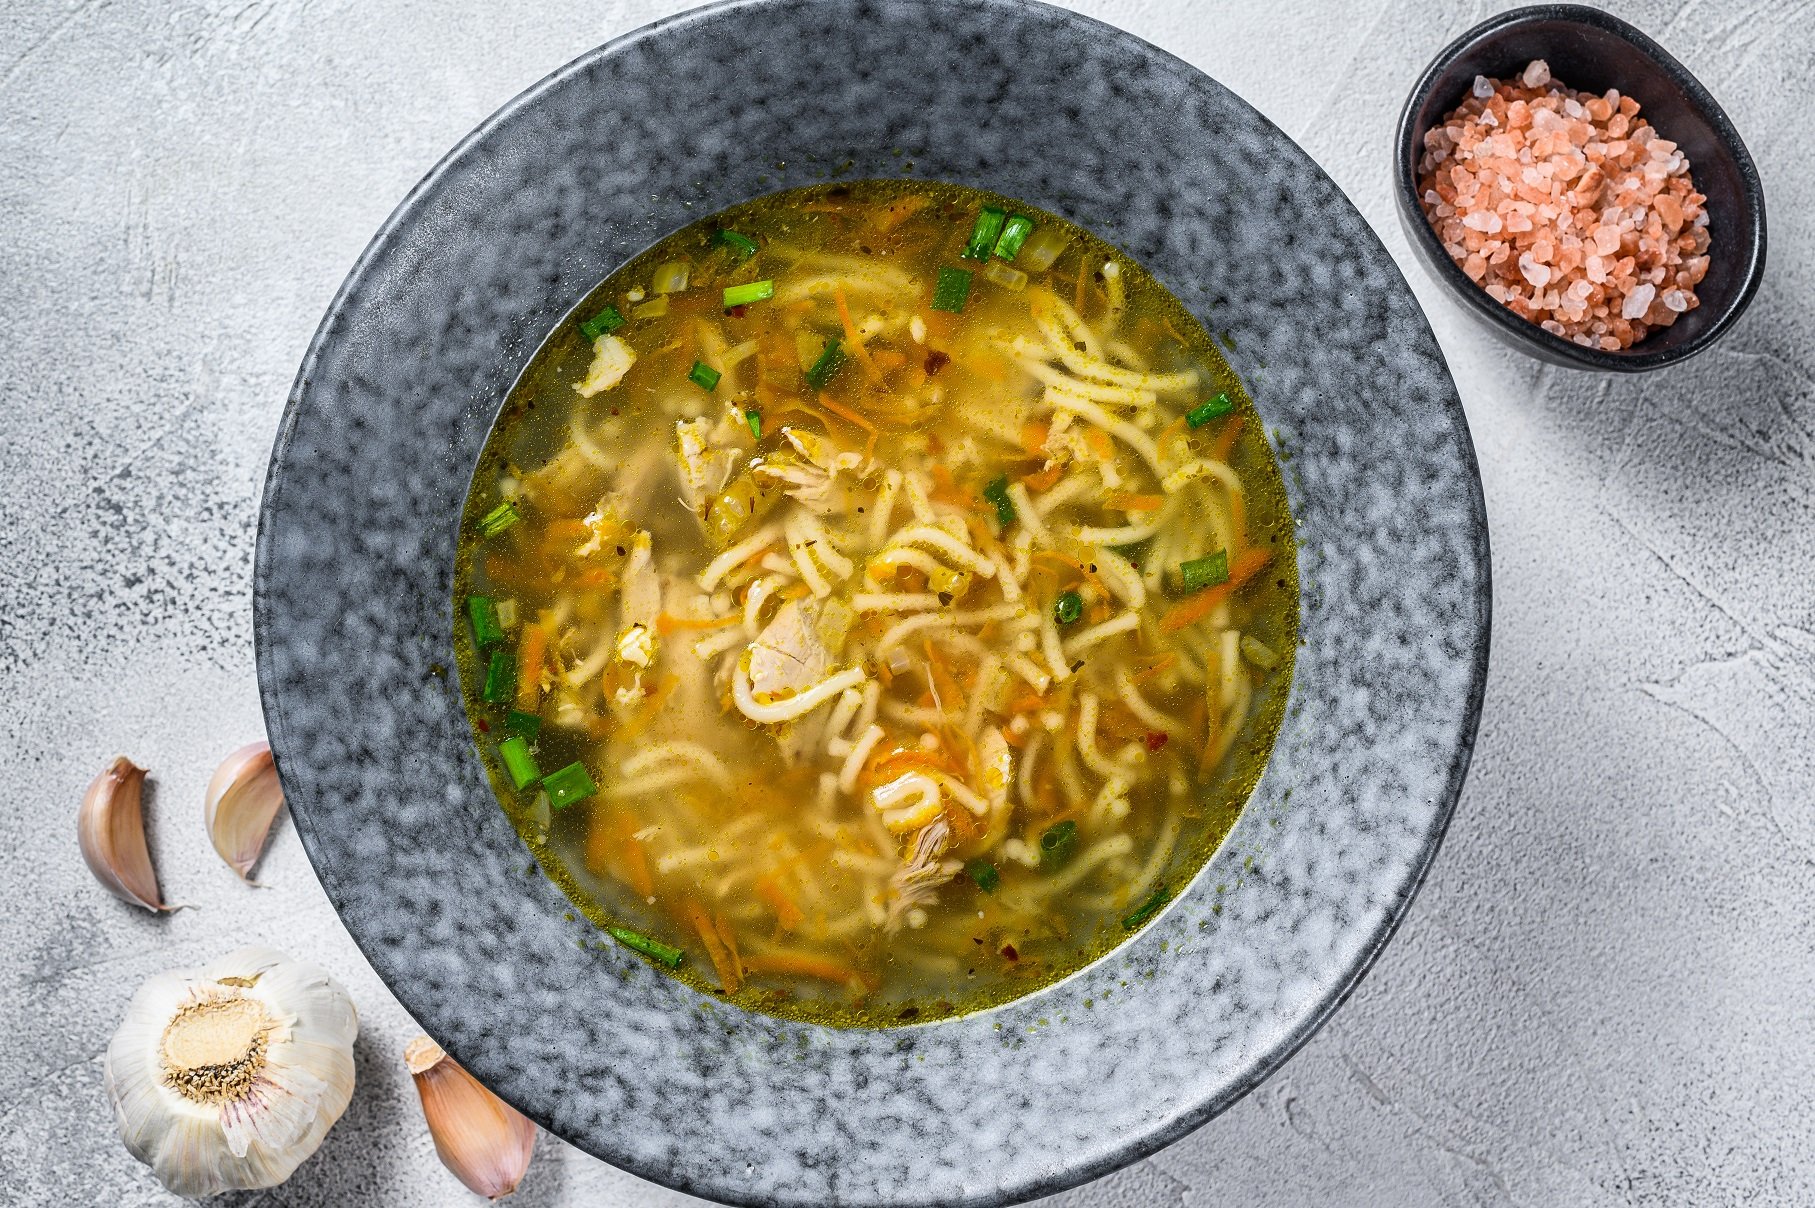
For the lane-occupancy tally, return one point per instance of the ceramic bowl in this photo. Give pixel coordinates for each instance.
(1593, 51)
(355, 622)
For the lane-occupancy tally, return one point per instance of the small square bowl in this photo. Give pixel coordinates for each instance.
(1589, 50)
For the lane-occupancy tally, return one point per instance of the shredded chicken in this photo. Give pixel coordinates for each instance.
(788, 656)
(611, 360)
(917, 881)
(704, 467)
(819, 474)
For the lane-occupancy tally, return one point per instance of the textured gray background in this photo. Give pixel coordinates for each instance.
(1605, 994)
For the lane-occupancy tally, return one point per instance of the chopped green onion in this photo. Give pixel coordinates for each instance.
(572, 783)
(499, 519)
(755, 420)
(670, 278)
(487, 632)
(655, 950)
(1014, 233)
(1057, 843)
(952, 288)
(500, 678)
(984, 874)
(1206, 571)
(1068, 608)
(743, 245)
(1208, 410)
(984, 233)
(1258, 652)
(526, 724)
(519, 762)
(831, 360)
(603, 323)
(999, 272)
(997, 493)
(703, 375)
(743, 295)
(1147, 909)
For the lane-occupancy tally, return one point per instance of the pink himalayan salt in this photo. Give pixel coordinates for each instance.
(1567, 208)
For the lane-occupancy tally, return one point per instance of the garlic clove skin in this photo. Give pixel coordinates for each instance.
(243, 799)
(484, 1140)
(110, 829)
(227, 1077)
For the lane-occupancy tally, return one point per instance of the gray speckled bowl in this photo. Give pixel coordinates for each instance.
(354, 619)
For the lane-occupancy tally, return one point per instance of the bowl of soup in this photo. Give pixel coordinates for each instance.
(896, 626)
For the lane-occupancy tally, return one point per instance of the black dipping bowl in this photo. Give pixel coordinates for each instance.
(1589, 50)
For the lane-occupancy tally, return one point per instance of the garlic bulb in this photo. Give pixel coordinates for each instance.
(110, 829)
(229, 1076)
(484, 1140)
(243, 800)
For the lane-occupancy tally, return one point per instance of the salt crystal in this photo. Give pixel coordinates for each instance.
(1560, 205)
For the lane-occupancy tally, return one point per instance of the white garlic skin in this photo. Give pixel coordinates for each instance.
(299, 1085)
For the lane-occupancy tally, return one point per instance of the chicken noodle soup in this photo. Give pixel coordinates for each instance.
(877, 602)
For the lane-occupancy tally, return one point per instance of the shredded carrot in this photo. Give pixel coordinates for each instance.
(1026, 704)
(635, 860)
(1123, 501)
(728, 937)
(888, 358)
(667, 623)
(1100, 444)
(945, 490)
(900, 210)
(951, 693)
(1154, 668)
(1044, 479)
(1225, 439)
(1082, 568)
(530, 653)
(850, 417)
(940, 324)
(851, 337)
(787, 912)
(730, 977)
(1033, 436)
(558, 535)
(805, 964)
(988, 365)
(613, 850)
(596, 576)
(1196, 607)
(650, 708)
(1170, 430)
(962, 822)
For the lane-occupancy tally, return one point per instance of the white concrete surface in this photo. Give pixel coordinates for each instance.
(1605, 995)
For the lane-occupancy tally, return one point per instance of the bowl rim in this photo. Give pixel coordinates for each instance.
(1265, 1061)
(1554, 347)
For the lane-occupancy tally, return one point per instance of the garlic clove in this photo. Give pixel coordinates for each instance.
(243, 799)
(484, 1140)
(110, 828)
(228, 1077)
